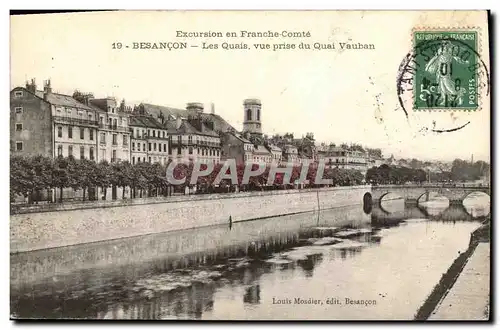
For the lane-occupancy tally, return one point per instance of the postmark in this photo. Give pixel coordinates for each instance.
(443, 72)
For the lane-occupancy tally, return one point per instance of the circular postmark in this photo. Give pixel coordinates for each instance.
(443, 72)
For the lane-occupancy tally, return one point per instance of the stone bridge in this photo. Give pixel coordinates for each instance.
(416, 193)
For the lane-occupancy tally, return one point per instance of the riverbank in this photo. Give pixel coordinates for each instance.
(435, 307)
(75, 225)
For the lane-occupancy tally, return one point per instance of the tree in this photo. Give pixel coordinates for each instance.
(104, 174)
(89, 177)
(61, 175)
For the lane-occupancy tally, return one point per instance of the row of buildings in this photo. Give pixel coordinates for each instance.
(52, 124)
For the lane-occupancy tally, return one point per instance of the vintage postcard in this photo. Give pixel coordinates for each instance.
(250, 165)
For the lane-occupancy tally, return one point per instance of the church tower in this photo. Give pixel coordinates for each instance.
(251, 117)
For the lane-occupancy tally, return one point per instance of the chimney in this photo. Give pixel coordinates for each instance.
(212, 109)
(47, 89)
(178, 122)
(161, 117)
(31, 87)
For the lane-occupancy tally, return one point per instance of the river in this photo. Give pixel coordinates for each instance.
(342, 264)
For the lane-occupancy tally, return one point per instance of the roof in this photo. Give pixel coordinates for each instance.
(186, 128)
(241, 138)
(64, 100)
(274, 147)
(260, 149)
(219, 123)
(144, 121)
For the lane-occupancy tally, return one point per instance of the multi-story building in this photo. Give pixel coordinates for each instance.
(52, 124)
(290, 154)
(236, 146)
(149, 140)
(31, 127)
(346, 159)
(276, 153)
(192, 140)
(114, 134)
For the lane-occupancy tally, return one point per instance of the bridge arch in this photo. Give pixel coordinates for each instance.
(467, 193)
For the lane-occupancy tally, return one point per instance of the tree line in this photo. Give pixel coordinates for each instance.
(30, 175)
(385, 174)
(461, 171)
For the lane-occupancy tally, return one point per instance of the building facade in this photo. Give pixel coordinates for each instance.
(114, 134)
(149, 140)
(31, 127)
(290, 154)
(189, 143)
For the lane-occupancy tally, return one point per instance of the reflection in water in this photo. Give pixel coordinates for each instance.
(337, 254)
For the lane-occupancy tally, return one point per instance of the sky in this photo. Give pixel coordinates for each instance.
(339, 95)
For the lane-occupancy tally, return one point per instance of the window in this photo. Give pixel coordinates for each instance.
(115, 139)
(163, 134)
(138, 146)
(149, 132)
(249, 114)
(102, 138)
(133, 146)
(101, 120)
(82, 152)
(82, 133)
(164, 147)
(190, 139)
(59, 150)
(91, 131)
(19, 110)
(190, 150)
(154, 146)
(133, 158)
(114, 123)
(258, 114)
(59, 131)
(68, 111)
(90, 116)
(70, 151)
(18, 94)
(91, 153)
(178, 151)
(149, 146)
(113, 156)
(154, 133)
(149, 159)
(80, 113)
(19, 127)
(19, 146)
(143, 159)
(125, 140)
(70, 132)
(144, 146)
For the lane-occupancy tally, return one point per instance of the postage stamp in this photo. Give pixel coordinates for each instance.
(443, 71)
(445, 76)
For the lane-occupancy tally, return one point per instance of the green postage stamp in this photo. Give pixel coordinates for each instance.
(443, 71)
(446, 64)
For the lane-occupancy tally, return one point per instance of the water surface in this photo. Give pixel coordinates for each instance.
(339, 264)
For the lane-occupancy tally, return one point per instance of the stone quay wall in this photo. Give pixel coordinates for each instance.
(44, 230)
